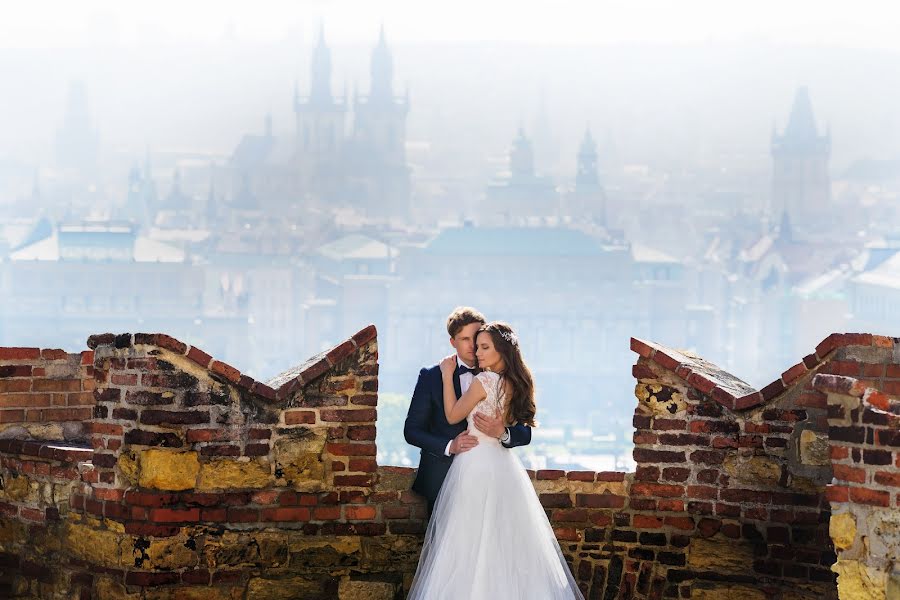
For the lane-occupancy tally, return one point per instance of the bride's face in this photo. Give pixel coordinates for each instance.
(487, 355)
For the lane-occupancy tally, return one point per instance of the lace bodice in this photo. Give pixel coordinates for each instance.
(494, 402)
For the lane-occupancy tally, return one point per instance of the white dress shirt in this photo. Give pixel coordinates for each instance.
(465, 380)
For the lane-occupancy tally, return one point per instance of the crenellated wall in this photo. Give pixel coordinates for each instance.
(192, 480)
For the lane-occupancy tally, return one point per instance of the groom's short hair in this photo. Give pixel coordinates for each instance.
(462, 316)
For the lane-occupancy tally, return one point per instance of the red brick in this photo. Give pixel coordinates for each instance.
(683, 523)
(837, 493)
(226, 371)
(670, 505)
(846, 473)
(13, 386)
(359, 449)
(556, 500)
(702, 492)
(365, 465)
(243, 515)
(361, 415)
(297, 417)
(361, 432)
(550, 474)
(124, 379)
(641, 347)
(331, 513)
(56, 385)
(887, 478)
(199, 356)
(669, 424)
(354, 480)
(869, 496)
(20, 353)
(646, 522)
(794, 373)
(359, 513)
(580, 476)
(566, 534)
(175, 515)
(207, 435)
(292, 513)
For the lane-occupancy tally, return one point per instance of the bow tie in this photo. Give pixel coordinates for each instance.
(462, 369)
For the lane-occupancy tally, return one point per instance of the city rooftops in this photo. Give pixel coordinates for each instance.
(516, 241)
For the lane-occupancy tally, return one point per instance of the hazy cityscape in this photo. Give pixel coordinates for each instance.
(263, 193)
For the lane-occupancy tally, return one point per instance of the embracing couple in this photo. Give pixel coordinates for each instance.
(488, 536)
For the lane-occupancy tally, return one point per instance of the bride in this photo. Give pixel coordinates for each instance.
(489, 536)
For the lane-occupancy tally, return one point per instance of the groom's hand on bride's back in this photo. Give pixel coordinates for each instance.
(492, 426)
(463, 443)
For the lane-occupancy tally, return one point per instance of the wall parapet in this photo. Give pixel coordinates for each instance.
(195, 480)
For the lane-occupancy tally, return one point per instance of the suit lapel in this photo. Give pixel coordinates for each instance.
(457, 386)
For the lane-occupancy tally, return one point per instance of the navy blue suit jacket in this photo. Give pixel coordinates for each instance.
(427, 428)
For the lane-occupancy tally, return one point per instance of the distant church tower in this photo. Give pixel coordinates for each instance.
(380, 136)
(320, 124)
(588, 199)
(521, 158)
(77, 142)
(801, 187)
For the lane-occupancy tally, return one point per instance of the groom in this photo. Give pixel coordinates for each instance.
(426, 425)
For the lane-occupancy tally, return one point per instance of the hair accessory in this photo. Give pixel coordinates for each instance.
(510, 337)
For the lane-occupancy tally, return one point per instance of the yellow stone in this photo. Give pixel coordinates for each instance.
(660, 400)
(283, 589)
(96, 546)
(365, 590)
(194, 593)
(857, 582)
(16, 488)
(300, 459)
(168, 469)
(814, 449)
(167, 553)
(225, 473)
(128, 468)
(842, 530)
(727, 592)
(720, 554)
(11, 533)
(756, 470)
(108, 589)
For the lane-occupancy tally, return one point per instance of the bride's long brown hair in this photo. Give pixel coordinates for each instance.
(521, 408)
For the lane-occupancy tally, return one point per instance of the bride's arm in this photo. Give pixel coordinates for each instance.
(457, 410)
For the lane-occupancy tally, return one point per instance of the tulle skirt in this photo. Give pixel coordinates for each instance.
(489, 537)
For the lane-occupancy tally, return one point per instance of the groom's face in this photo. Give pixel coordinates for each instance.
(464, 342)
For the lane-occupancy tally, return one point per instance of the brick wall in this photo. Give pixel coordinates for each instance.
(864, 431)
(40, 390)
(201, 482)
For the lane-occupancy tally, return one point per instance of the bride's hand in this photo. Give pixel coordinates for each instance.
(448, 365)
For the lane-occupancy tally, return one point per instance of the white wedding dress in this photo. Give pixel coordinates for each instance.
(489, 537)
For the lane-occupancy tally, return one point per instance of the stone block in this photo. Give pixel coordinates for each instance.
(660, 400)
(226, 473)
(721, 555)
(289, 588)
(366, 590)
(165, 553)
(814, 449)
(168, 469)
(754, 470)
(842, 529)
(858, 582)
(727, 591)
(97, 546)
